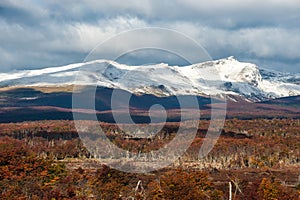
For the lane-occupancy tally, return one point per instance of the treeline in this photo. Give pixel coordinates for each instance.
(243, 144)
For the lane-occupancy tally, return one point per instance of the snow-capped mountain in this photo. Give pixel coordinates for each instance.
(216, 78)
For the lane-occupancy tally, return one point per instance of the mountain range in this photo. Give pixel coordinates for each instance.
(236, 80)
(249, 90)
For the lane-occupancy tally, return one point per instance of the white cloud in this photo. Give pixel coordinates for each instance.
(90, 35)
(38, 34)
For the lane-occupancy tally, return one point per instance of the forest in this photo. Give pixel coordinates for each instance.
(47, 160)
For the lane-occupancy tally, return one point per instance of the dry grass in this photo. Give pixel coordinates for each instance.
(45, 89)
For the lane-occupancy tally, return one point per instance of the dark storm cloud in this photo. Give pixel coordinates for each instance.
(36, 34)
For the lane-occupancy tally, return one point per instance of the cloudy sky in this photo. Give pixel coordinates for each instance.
(37, 34)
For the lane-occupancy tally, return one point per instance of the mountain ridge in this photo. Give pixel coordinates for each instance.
(216, 78)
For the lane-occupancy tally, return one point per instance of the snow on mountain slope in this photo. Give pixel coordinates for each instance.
(216, 78)
(280, 76)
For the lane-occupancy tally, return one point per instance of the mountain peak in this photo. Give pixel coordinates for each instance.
(231, 58)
